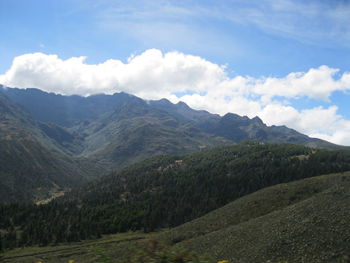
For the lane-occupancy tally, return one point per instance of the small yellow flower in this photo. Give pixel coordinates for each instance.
(71, 261)
(223, 261)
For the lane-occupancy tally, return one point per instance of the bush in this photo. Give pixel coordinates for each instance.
(154, 252)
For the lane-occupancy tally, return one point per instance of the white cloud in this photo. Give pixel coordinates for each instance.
(316, 83)
(149, 75)
(200, 83)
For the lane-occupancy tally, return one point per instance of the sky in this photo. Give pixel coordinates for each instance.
(286, 61)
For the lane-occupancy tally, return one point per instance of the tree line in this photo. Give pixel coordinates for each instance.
(163, 191)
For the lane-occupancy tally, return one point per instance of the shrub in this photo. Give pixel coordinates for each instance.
(155, 252)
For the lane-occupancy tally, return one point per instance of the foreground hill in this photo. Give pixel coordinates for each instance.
(302, 221)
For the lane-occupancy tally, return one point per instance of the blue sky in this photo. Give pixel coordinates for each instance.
(262, 42)
(222, 31)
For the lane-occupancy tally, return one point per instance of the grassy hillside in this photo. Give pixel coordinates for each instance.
(107, 250)
(303, 221)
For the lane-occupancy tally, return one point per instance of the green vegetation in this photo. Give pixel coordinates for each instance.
(135, 132)
(51, 143)
(164, 192)
(302, 221)
(155, 252)
(121, 248)
(39, 158)
(110, 247)
(30, 165)
(251, 202)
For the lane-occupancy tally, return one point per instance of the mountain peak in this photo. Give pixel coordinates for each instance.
(182, 104)
(162, 101)
(233, 116)
(256, 119)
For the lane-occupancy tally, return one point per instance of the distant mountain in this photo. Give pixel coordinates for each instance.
(237, 128)
(135, 131)
(68, 111)
(62, 110)
(73, 139)
(31, 163)
(102, 133)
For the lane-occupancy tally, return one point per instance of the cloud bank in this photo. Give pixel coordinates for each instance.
(196, 81)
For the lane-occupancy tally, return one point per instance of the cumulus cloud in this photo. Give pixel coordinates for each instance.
(196, 81)
(316, 83)
(150, 75)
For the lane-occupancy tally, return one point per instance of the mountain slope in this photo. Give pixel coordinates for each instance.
(237, 128)
(135, 132)
(167, 191)
(111, 130)
(31, 164)
(303, 221)
(70, 110)
(102, 133)
(62, 110)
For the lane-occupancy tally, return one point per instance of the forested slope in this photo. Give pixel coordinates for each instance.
(167, 191)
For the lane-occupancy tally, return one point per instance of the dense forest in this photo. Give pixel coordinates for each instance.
(164, 191)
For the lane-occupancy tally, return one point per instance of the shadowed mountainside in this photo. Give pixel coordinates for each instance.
(31, 164)
(69, 111)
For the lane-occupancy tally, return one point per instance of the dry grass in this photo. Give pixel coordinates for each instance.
(303, 221)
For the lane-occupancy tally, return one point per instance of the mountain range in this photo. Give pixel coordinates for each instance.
(227, 186)
(52, 142)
